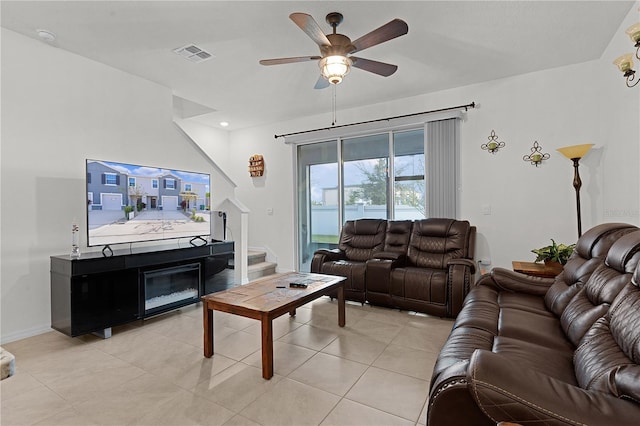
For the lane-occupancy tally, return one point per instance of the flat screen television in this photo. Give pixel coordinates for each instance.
(128, 203)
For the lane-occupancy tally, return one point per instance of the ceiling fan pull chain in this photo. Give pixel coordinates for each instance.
(333, 104)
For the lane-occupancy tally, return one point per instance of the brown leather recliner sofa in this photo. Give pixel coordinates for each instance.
(538, 351)
(424, 265)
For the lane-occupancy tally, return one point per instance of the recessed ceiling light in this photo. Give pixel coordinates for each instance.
(224, 123)
(46, 35)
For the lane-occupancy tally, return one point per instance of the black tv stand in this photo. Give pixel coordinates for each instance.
(92, 293)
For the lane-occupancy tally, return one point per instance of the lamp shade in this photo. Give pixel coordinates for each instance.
(575, 151)
(634, 32)
(624, 62)
(334, 68)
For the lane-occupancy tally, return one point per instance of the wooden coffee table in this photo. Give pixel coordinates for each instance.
(266, 299)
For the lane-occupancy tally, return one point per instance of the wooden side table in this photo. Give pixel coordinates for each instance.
(536, 269)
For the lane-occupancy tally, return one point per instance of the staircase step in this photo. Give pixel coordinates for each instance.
(253, 258)
(261, 269)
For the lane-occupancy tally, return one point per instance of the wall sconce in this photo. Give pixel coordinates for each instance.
(537, 156)
(575, 153)
(625, 62)
(493, 145)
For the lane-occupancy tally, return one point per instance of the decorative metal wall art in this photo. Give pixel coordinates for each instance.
(537, 156)
(494, 144)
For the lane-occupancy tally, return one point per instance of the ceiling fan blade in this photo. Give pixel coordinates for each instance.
(310, 27)
(388, 31)
(322, 83)
(380, 68)
(278, 61)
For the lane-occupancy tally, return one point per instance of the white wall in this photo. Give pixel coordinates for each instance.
(58, 109)
(584, 103)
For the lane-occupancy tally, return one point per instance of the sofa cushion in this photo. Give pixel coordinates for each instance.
(608, 279)
(591, 249)
(597, 357)
(625, 329)
(354, 271)
(361, 239)
(420, 284)
(436, 241)
(542, 329)
(555, 362)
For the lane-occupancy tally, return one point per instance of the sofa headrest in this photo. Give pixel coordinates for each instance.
(597, 240)
(399, 226)
(434, 242)
(623, 254)
(398, 234)
(361, 238)
(366, 226)
(589, 254)
(440, 228)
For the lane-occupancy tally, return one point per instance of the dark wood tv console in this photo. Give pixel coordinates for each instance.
(93, 293)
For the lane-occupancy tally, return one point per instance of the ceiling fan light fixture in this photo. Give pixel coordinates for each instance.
(335, 67)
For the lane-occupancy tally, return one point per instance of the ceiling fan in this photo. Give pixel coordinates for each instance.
(334, 48)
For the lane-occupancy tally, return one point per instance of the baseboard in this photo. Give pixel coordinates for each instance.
(23, 334)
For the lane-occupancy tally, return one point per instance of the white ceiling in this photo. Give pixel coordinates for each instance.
(449, 44)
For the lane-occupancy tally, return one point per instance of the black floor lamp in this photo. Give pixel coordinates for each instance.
(575, 153)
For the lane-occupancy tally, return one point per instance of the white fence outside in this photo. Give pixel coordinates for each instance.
(324, 219)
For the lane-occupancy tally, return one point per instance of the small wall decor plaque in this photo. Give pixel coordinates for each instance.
(256, 165)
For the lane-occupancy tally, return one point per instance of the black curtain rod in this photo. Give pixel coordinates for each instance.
(466, 108)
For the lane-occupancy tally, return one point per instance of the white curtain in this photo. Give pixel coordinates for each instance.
(441, 152)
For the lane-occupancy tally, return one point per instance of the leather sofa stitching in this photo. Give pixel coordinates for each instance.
(524, 401)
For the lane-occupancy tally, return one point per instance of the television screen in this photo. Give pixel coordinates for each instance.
(129, 203)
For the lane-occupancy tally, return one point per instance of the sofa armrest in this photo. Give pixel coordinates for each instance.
(325, 255)
(505, 391)
(508, 280)
(460, 277)
(330, 255)
(464, 262)
(378, 274)
(401, 258)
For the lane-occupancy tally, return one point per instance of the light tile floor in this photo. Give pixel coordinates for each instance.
(374, 371)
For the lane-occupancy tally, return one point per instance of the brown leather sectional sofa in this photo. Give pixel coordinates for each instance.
(424, 265)
(538, 351)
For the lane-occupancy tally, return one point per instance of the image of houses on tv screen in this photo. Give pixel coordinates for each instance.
(131, 203)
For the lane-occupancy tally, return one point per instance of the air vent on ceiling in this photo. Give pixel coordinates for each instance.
(193, 53)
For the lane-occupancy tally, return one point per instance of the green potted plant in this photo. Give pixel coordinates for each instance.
(558, 253)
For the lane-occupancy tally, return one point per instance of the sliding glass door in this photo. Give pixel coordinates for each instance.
(375, 176)
(318, 200)
(366, 177)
